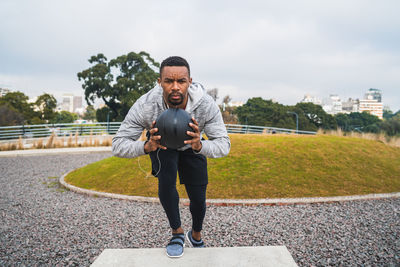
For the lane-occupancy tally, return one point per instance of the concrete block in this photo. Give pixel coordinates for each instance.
(273, 256)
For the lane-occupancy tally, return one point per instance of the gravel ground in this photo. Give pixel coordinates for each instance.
(44, 224)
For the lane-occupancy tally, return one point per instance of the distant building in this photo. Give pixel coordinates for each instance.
(235, 104)
(371, 103)
(332, 105)
(372, 106)
(232, 104)
(67, 102)
(4, 91)
(77, 104)
(351, 105)
(71, 103)
(311, 99)
(33, 101)
(80, 111)
(373, 93)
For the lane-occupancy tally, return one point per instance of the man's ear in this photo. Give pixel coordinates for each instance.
(190, 80)
(159, 80)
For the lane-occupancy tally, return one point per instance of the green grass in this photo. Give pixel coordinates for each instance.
(267, 166)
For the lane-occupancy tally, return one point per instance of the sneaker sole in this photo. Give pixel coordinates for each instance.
(174, 257)
(188, 239)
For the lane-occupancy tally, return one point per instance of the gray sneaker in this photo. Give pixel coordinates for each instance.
(175, 246)
(193, 243)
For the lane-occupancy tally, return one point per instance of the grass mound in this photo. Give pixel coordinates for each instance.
(267, 166)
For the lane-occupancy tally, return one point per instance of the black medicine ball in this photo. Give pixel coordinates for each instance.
(172, 125)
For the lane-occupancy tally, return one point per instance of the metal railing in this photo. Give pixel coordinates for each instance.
(61, 129)
(104, 128)
(251, 129)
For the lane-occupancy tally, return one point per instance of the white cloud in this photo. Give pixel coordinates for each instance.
(35, 85)
(272, 49)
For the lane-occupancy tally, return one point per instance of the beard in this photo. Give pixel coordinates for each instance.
(175, 102)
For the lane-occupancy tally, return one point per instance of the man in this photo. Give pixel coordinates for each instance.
(176, 90)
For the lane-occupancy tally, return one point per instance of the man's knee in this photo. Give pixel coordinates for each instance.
(166, 189)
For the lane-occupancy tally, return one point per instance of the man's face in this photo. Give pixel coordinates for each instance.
(175, 82)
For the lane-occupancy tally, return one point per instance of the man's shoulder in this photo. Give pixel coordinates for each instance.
(209, 99)
(200, 96)
(207, 102)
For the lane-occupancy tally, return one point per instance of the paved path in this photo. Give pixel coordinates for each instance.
(268, 256)
(53, 151)
(43, 224)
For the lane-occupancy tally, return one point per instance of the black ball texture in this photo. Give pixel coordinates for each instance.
(172, 125)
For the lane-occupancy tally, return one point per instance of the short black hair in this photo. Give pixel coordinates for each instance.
(175, 61)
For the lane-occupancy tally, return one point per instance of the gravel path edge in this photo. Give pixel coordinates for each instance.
(232, 202)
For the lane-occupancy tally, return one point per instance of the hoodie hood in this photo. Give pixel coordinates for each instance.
(196, 92)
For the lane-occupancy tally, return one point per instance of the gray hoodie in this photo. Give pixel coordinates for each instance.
(148, 107)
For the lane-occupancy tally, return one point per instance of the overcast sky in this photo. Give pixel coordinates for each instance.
(277, 50)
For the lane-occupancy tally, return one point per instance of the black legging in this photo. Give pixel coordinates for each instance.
(192, 170)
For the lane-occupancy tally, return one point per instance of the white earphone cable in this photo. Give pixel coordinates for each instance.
(159, 166)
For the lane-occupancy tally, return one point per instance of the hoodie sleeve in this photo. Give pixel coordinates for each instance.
(218, 143)
(126, 143)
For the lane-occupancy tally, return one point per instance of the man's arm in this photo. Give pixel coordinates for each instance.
(126, 143)
(218, 143)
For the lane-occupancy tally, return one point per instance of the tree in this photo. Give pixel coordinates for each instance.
(64, 117)
(120, 82)
(226, 100)
(364, 118)
(391, 126)
(103, 113)
(258, 111)
(90, 113)
(47, 104)
(9, 116)
(213, 93)
(344, 122)
(19, 102)
(387, 113)
(228, 112)
(358, 121)
(317, 116)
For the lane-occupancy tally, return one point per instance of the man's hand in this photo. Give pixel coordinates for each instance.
(195, 141)
(154, 142)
